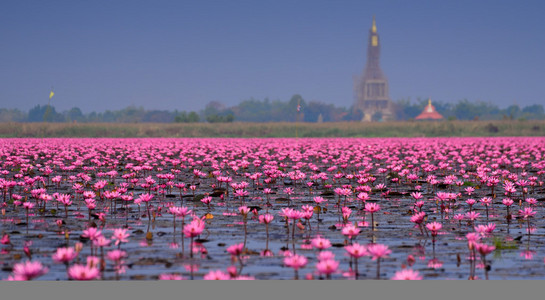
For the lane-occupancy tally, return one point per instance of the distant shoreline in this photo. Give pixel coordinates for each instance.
(281, 129)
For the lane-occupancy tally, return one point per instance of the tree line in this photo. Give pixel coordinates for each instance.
(295, 109)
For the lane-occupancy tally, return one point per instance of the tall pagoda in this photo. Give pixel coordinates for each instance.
(371, 90)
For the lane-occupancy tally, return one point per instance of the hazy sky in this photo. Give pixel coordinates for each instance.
(102, 55)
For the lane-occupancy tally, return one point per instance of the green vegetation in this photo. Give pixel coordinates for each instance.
(185, 117)
(283, 129)
(466, 110)
(501, 244)
(253, 110)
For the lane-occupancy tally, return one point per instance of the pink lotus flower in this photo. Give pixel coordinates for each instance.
(407, 274)
(92, 233)
(531, 201)
(295, 261)
(527, 212)
(372, 207)
(484, 249)
(89, 195)
(458, 217)
(166, 276)
(377, 251)
(236, 249)
(64, 199)
(90, 203)
(81, 272)
(194, 228)
(416, 195)
(507, 202)
(325, 255)
(241, 277)
(435, 263)
(116, 255)
(472, 215)
(120, 235)
(418, 218)
(100, 184)
(363, 196)
(64, 255)
(327, 267)
(28, 205)
(206, 200)
(266, 218)
(350, 231)
(434, 227)
(180, 211)
(356, 250)
(320, 243)
(5, 239)
(28, 270)
(485, 229)
(244, 210)
(292, 214)
(319, 200)
(486, 201)
(145, 197)
(216, 275)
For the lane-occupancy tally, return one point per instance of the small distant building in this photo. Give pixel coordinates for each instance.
(429, 113)
(320, 118)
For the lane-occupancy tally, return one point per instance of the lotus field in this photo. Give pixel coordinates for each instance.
(322, 209)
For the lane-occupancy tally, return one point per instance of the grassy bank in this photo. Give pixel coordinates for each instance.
(344, 129)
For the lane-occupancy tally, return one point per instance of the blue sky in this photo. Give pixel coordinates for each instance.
(102, 55)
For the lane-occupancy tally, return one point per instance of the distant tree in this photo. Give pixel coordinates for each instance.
(254, 110)
(12, 115)
(130, 114)
(444, 108)
(108, 116)
(353, 115)
(404, 109)
(181, 117)
(74, 114)
(220, 118)
(184, 117)
(466, 110)
(513, 112)
(193, 117)
(315, 109)
(533, 112)
(212, 119)
(534, 109)
(41, 113)
(36, 114)
(213, 108)
(291, 111)
(158, 116)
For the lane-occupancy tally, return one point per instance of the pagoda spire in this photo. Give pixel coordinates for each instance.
(371, 89)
